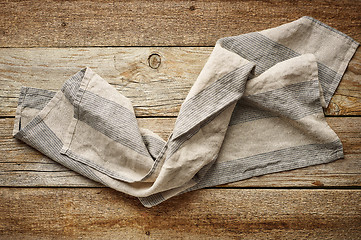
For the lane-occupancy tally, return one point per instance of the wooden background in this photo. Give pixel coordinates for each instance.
(42, 43)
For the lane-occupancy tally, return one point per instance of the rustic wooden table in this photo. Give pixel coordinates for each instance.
(44, 42)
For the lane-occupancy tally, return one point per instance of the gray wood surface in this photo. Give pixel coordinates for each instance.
(42, 43)
(153, 92)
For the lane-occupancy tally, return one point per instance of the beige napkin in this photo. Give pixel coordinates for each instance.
(255, 108)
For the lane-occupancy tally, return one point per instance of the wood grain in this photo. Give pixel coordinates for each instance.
(159, 23)
(347, 99)
(48, 213)
(153, 92)
(23, 166)
(40, 199)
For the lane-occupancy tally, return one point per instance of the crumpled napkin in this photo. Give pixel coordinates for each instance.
(256, 108)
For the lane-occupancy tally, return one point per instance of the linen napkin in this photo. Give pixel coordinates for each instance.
(255, 108)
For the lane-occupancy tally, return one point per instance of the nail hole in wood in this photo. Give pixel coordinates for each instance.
(154, 60)
(192, 8)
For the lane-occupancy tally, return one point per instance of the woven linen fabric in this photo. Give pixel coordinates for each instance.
(255, 108)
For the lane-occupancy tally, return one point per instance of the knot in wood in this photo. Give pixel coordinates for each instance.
(154, 60)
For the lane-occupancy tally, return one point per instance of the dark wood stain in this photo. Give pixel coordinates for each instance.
(154, 23)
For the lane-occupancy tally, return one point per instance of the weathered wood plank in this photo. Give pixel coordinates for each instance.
(205, 214)
(154, 23)
(153, 92)
(347, 99)
(21, 165)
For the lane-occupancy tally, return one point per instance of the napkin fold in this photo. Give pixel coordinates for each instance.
(255, 108)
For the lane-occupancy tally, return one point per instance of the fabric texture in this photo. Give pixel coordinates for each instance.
(256, 108)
